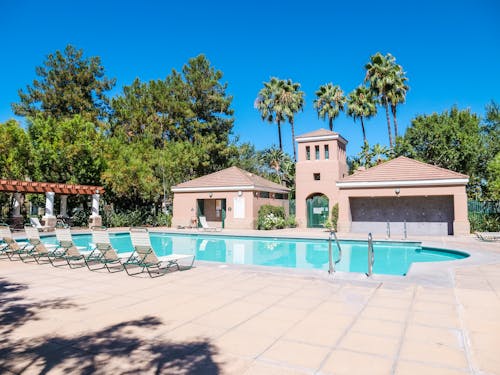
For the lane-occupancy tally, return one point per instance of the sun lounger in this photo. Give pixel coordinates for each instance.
(144, 257)
(36, 223)
(39, 250)
(11, 247)
(205, 226)
(67, 250)
(488, 236)
(104, 253)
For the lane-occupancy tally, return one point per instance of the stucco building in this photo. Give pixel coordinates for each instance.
(398, 193)
(229, 198)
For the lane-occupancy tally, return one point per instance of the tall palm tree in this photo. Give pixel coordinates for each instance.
(292, 101)
(330, 100)
(397, 93)
(380, 76)
(269, 105)
(361, 104)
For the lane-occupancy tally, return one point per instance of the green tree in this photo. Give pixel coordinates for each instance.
(494, 177)
(330, 100)
(449, 140)
(361, 105)
(67, 150)
(68, 84)
(397, 93)
(16, 153)
(292, 100)
(380, 76)
(270, 106)
(191, 106)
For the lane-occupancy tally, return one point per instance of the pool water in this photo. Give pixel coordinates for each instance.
(391, 258)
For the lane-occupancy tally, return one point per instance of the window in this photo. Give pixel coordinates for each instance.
(281, 196)
(264, 194)
(308, 153)
(316, 151)
(327, 152)
(317, 176)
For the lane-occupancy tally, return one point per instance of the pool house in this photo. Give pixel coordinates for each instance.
(229, 198)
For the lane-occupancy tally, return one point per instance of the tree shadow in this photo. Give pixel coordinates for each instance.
(119, 348)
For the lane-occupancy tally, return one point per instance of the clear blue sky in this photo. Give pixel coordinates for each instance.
(449, 49)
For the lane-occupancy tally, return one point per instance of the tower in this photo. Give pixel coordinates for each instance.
(321, 163)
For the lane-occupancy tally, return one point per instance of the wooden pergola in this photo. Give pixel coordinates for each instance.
(16, 186)
(50, 189)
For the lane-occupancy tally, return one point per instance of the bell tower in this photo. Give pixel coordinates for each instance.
(321, 163)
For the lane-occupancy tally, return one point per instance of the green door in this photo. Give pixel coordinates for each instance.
(317, 211)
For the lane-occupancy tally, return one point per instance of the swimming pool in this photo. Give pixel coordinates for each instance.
(391, 258)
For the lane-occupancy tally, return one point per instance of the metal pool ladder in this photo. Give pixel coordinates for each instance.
(371, 255)
(331, 262)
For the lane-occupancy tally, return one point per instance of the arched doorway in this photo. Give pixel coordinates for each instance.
(317, 210)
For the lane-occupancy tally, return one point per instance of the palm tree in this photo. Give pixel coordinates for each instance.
(380, 75)
(269, 105)
(292, 101)
(397, 93)
(361, 104)
(330, 100)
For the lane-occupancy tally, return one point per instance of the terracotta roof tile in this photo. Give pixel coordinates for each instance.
(232, 176)
(317, 133)
(403, 169)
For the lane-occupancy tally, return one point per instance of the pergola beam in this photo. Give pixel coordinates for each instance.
(45, 187)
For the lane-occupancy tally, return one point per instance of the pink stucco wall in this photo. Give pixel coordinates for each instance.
(461, 224)
(185, 210)
(330, 170)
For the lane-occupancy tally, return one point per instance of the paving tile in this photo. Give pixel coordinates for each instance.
(411, 368)
(241, 343)
(442, 336)
(378, 327)
(266, 327)
(433, 353)
(258, 368)
(316, 331)
(344, 362)
(394, 315)
(435, 320)
(385, 346)
(296, 354)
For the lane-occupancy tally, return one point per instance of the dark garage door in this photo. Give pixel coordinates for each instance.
(423, 215)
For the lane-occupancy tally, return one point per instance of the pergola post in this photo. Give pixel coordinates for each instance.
(18, 201)
(64, 206)
(95, 218)
(49, 217)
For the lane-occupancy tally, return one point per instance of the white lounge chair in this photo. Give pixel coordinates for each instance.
(39, 250)
(205, 226)
(145, 258)
(488, 236)
(35, 222)
(104, 253)
(10, 246)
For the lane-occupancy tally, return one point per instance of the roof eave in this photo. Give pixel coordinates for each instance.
(407, 183)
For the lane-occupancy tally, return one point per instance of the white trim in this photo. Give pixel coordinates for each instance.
(321, 138)
(228, 188)
(369, 184)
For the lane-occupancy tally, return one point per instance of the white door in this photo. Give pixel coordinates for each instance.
(239, 208)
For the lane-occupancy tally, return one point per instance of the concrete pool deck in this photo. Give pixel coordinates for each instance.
(231, 319)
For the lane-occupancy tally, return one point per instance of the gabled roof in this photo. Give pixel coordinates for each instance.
(320, 134)
(403, 171)
(232, 178)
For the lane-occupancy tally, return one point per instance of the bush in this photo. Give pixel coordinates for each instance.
(484, 222)
(135, 218)
(271, 217)
(291, 222)
(334, 218)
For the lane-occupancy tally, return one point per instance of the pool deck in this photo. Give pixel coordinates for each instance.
(232, 319)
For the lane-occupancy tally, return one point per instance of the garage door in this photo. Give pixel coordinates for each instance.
(423, 215)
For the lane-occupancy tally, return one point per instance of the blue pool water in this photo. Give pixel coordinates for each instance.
(392, 258)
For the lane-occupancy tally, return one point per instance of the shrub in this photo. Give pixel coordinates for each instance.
(134, 218)
(271, 217)
(291, 222)
(334, 218)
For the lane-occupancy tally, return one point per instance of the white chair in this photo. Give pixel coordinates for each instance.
(205, 226)
(36, 223)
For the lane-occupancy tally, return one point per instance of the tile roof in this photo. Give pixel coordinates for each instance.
(317, 133)
(232, 176)
(403, 169)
